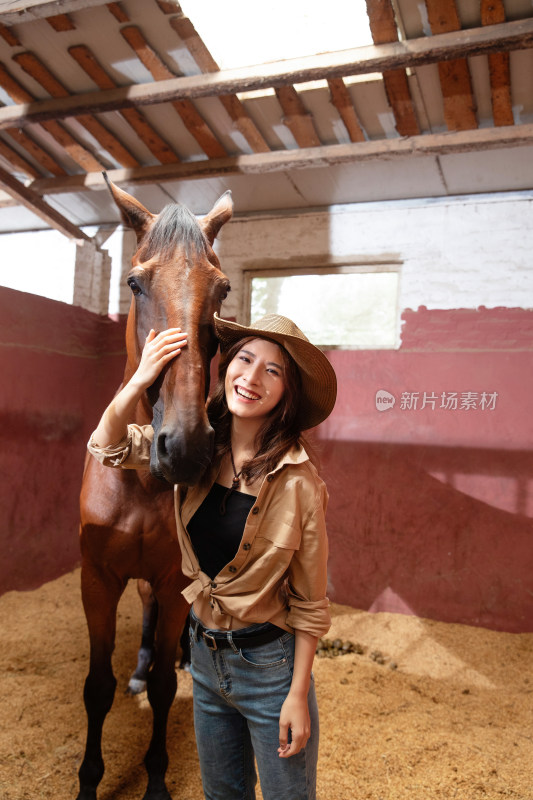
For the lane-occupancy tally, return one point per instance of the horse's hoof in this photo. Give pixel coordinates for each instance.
(136, 686)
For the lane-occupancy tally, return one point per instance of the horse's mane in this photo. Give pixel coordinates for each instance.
(174, 225)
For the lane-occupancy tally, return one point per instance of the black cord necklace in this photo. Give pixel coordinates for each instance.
(235, 481)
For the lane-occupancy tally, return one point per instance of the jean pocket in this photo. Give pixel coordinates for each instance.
(265, 656)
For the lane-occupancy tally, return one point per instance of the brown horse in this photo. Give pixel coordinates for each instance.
(127, 516)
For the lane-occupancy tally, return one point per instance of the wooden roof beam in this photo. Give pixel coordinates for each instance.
(383, 29)
(233, 106)
(296, 117)
(514, 35)
(340, 97)
(422, 145)
(33, 202)
(135, 118)
(34, 149)
(492, 13)
(193, 121)
(79, 154)
(18, 162)
(40, 73)
(454, 75)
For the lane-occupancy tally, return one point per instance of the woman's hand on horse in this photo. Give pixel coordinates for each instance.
(159, 349)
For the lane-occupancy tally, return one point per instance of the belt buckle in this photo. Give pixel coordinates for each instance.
(209, 636)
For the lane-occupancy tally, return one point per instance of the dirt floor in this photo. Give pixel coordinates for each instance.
(426, 710)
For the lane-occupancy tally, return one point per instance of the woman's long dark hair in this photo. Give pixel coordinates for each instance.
(279, 432)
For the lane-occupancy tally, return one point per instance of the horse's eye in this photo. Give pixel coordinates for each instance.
(134, 286)
(224, 292)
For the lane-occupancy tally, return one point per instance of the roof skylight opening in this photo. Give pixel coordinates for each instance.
(241, 33)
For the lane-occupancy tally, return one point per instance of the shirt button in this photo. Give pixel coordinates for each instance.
(233, 569)
(255, 510)
(246, 546)
(213, 585)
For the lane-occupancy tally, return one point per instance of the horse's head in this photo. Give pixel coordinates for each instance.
(176, 282)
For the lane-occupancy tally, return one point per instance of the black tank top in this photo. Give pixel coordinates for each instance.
(216, 537)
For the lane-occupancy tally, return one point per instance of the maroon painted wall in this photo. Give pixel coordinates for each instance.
(59, 366)
(430, 507)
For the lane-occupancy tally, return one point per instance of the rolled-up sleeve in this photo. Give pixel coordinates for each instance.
(307, 579)
(132, 452)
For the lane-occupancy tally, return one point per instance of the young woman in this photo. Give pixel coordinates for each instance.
(254, 543)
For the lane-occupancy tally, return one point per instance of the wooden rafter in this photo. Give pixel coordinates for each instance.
(296, 117)
(33, 202)
(153, 141)
(342, 101)
(414, 52)
(34, 149)
(61, 22)
(17, 161)
(118, 12)
(193, 121)
(492, 13)
(167, 7)
(234, 108)
(384, 30)
(79, 154)
(283, 160)
(455, 80)
(9, 36)
(39, 72)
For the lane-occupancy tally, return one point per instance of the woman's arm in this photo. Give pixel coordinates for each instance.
(295, 711)
(158, 350)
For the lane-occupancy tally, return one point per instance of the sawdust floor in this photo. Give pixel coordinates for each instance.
(447, 714)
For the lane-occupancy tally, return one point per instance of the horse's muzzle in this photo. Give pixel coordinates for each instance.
(180, 458)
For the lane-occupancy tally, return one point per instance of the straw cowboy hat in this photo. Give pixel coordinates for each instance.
(319, 382)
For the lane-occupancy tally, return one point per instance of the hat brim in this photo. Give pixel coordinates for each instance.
(319, 382)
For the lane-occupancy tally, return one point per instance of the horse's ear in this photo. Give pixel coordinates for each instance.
(219, 214)
(133, 213)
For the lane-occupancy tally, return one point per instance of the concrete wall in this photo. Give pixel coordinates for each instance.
(60, 365)
(431, 503)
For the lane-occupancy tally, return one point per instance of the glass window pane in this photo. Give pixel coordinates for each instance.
(344, 309)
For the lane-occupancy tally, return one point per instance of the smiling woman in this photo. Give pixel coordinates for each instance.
(255, 380)
(254, 545)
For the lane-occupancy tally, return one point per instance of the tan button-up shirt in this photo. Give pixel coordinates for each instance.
(279, 573)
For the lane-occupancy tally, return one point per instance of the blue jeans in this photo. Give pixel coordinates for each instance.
(238, 696)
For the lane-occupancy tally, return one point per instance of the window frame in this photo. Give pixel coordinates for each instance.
(341, 269)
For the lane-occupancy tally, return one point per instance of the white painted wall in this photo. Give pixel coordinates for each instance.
(461, 252)
(454, 253)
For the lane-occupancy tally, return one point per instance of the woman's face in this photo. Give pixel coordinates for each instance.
(255, 380)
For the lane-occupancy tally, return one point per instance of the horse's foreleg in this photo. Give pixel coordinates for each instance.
(161, 685)
(100, 600)
(145, 656)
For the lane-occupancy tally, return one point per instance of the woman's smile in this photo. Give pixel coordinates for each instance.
(246, 393)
